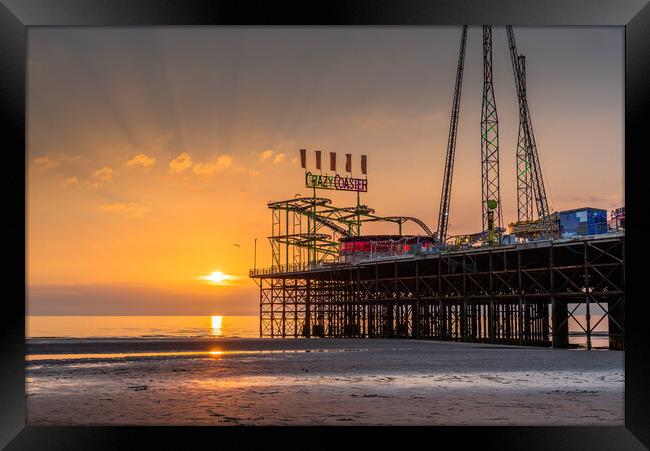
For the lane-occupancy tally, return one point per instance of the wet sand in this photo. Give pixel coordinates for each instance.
(318, 382)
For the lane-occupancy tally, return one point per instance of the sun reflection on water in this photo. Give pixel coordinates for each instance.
(217, 329)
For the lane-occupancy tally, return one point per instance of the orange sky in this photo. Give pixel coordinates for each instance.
(152, 152)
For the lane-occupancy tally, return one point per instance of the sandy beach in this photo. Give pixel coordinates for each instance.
(247, 381)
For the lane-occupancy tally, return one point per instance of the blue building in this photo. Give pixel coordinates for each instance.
(583, 221)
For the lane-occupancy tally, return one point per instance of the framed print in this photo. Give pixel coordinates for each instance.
(355, 215)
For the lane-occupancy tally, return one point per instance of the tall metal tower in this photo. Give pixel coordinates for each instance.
(524, 165)
(491, 196)
(445, 198)
(530, 183)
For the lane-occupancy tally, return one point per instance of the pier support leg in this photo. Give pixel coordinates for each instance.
(284, 308)
(492, 319)
(262, 319)
(389, 320)
(306, 328)
(542, 310)
(463, 321)
(415, 321)
(560, 322)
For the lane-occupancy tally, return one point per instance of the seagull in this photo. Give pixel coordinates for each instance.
(237, 245)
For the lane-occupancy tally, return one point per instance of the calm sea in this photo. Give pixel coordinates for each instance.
(197, 326)
(142, 326)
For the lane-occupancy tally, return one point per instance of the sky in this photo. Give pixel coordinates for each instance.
(152, 152)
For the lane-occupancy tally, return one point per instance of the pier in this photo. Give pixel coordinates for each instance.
(521, 294)
(328, 279)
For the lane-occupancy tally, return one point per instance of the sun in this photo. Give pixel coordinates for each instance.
(217, 278)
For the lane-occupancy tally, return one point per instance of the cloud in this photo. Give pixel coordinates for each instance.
(45, 162)
(141, 160)
(279, 158)
(253, 172)
(205, 168)
(105, 174)
(224, 160)
(71, 181)
(221, 162)
(180, 163)
(129, 208)
(66, 157)
(91, 184)
(266, 154)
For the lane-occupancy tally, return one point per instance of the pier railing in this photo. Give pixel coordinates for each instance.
(293, 267)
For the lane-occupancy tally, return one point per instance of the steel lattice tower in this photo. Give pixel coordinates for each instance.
(539, 192)
(524, 171)
(530, 183)
(489, 141)
(445, 198)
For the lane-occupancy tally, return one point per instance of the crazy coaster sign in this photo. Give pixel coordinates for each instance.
(335, 181)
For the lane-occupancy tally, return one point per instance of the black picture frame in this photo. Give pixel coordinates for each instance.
(16, 16)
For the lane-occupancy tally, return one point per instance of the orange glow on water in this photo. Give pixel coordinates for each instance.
(217, 326)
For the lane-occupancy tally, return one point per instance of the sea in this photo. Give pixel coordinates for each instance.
(143, 327)
(90, 327)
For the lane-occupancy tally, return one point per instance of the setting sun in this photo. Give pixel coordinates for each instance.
(217, 278)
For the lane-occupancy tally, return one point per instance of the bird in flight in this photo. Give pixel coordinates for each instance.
(237, 245)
